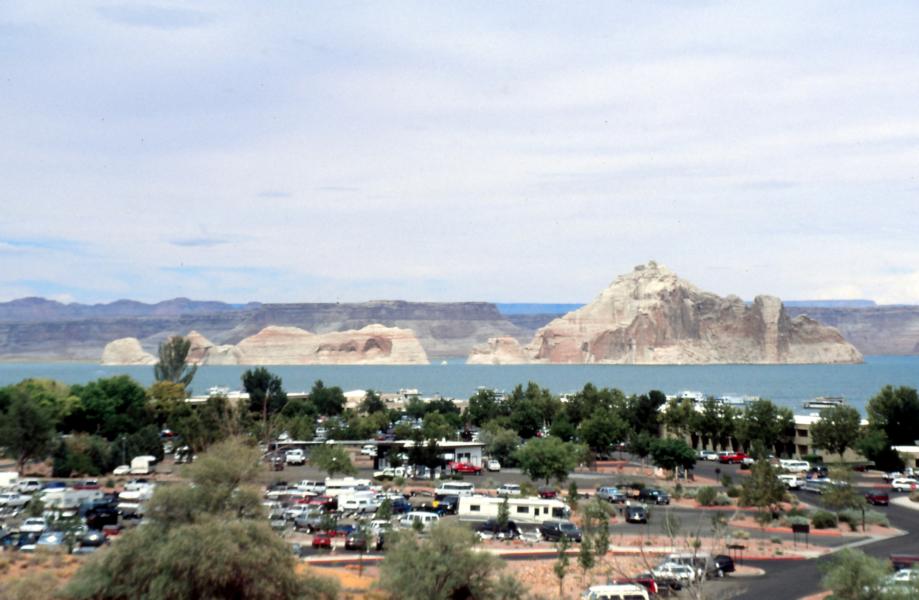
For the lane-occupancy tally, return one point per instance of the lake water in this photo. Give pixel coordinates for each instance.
(787, 385)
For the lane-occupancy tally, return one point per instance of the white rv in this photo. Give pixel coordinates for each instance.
(347, 485)
(142, 465)
(522, 510)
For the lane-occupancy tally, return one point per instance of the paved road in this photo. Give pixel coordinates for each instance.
(794, 579)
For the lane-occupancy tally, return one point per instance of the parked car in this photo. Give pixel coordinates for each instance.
(674, 574)
(792, 482)
(492, 528)
(28, 486)
(730, 458)
(904, 484)
(322, 541)
(635, 513)
(611, 494)
(645, 580)
(14, 499)
(356, 540)
(508, 489)
(310, 521)
(553, 531)
(427, 519)
(626, 591)
(445, 505)
(818, 472)
(369, 450)
(723, 564)
(547, 493)
(465, 468)
(708, 455)
(33, 525)
(655, 495)
(295, 457)
(493, 465)
(877, 497)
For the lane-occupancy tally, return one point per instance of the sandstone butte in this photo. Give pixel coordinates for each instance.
(273, 345)
(651, 316)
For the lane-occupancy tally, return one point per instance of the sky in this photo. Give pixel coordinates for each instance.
(512, 151)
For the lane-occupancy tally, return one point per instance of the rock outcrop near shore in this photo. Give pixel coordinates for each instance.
(275, 345)
(651, 316)
(126, 351)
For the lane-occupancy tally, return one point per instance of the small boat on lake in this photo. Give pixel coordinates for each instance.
(825, 402)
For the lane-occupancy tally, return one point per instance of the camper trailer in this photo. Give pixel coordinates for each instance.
(522, 510)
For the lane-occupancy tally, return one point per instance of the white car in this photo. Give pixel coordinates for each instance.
(121, 470)
(904, 484)
(669, 571)
(493, 465)
(792, 482)
(616, 592)
(708, 455)
(28, 486)
(369, 450)
(509, 489)
(14, 499)
(295, 457)
(33, 525)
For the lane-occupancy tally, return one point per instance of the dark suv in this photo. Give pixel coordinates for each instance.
(511, 531)
(654, 495)
(554, 530)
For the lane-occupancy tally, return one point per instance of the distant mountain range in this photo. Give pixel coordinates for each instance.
(41, 329)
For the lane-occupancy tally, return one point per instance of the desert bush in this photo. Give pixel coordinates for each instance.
(873, 517)
(823, 520)
(733, 491)
(706, 496)
(722, 499)
(796, 520)
(852, 518)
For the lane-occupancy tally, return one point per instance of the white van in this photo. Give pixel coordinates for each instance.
(346, 485)
(313, 486)
(795, 466)
(629, 591)
(456, 488)
(426, 519)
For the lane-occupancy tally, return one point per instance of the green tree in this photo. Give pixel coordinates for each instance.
(500, 443)
(560, 568)
(504, 515)
(442, 566)
(483, 407)
(548, 458)
(206, 539)
(329, 401)
(895, 411)
(763, 489)
(640, 444)
(26, 431)
(679, 417)
(164, 399)
(643, 412)
(842, 494)
(766, 425)
(435, 427)
(587, 560)
(109, 407)
(384, 511)
(716, 422)
(837, 429)
(173, 362)
(372, 403)
(332, 459)
(853, 575)
(603, 429)
(266, 394)
(671, 453)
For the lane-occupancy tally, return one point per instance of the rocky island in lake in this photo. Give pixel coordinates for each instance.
(651, 316)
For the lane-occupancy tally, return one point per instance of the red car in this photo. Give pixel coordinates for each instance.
(548, 493)
(731, 458)
(877, 498)
(322, 541)
(465, 468)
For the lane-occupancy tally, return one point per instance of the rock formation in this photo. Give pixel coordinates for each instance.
(126, 351)
(274, 345)
(651, 316)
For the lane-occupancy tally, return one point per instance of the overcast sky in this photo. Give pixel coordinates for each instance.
(337, 151)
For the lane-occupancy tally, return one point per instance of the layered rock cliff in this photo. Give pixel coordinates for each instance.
(274, 345)
(651, 316)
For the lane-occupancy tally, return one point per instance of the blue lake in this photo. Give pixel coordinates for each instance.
(785, 384)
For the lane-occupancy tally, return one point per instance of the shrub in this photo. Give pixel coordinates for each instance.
(722, 499)
(796, 520)
(797, 511)
(677, 491)
(706, 496)
(727, 481)
(873, 517)
(823, 520)
(733, 491)
(776, 540)
(852, 518)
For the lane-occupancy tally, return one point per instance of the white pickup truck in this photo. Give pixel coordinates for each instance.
(792, 482)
